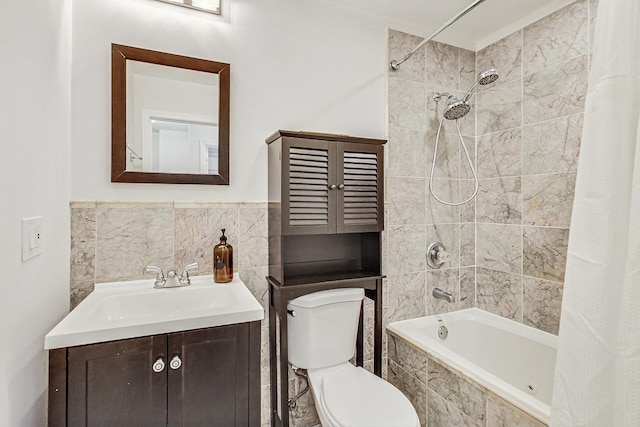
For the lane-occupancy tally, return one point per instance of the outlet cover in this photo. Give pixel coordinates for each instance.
(31, 237)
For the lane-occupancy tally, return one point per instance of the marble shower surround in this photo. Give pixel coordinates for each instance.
(510, 243)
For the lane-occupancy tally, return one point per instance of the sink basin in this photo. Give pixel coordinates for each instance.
(121, 310)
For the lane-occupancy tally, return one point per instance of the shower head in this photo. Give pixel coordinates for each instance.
(456, 109)
(484, 78)
(487, 77)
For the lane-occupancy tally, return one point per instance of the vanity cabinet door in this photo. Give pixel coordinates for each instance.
(211, 386)
(114, 384)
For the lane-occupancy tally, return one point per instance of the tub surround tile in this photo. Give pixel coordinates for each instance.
(499, 200)
(443, 62)
(552, 146)
(406, 200)
(197, 231)
(499, 293)
(467, 210)
(406, 294)
(505, 55)
(407, 104)
(499, 247)
(130, 238)
(456, 390)
(83, 243)
(436, 212)
(545, 252)
(406, 244)
(467, 68)
(548, 199)
(407, 152)
(500, 107)
(447, 280)
(499, 154)
(501, 414)
(559, 90)
(542, 304)
(413, 360)
(467, 244)
(593, 13)
(467, 288)
(410, 386)
(448, 159)
(443, 413)
(555, 38)
(398, 45)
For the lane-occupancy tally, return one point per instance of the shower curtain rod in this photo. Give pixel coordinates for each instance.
(395, 65)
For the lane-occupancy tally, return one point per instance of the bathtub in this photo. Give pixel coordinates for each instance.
(509, 359)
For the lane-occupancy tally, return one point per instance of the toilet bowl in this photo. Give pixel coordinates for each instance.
(347, 396)
(322, 334)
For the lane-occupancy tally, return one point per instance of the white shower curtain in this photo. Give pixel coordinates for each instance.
(597, 379)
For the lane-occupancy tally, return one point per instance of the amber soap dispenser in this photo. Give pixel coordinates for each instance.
(223, 261)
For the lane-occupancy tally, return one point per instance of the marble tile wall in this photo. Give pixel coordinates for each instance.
(443, 397)
(527, 162)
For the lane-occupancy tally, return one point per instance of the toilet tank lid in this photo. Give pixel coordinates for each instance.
(330, 296)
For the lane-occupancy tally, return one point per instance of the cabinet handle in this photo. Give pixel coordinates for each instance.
(175, 362)
(158, 365)
(332, 187)
(341, 187)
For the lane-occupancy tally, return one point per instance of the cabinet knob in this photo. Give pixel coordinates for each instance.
(158, 365)
(341, 187)
(175, 362)
(332, 187)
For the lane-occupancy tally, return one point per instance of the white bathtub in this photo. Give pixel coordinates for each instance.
(512, 360)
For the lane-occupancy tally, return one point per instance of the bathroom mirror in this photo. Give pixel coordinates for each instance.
(170, 118)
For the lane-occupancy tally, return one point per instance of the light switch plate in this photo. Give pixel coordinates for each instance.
(31, 237)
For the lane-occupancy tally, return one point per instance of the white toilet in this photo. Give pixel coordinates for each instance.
(322, 338)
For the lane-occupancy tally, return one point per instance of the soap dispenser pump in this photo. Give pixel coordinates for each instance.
(223, 261)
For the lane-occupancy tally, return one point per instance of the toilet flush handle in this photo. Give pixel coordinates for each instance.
(292, 313)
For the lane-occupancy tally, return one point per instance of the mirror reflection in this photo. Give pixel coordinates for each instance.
(170, 118)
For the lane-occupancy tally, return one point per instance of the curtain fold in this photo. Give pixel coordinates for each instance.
(597, 377)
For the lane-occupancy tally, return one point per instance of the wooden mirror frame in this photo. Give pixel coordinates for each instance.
(119, 56)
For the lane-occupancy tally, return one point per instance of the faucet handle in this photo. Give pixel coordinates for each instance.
(160, 280)
(184, 277)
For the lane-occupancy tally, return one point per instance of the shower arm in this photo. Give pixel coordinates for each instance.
(395, 65)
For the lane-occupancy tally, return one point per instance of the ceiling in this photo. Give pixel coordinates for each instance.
(488, 22)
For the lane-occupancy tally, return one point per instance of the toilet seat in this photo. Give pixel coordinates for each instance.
(353, 397)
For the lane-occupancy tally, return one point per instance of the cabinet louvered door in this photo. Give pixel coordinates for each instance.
(360, 198)
(309, 203)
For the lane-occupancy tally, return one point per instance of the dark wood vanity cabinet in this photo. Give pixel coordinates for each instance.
(327, 183)
(210, 377)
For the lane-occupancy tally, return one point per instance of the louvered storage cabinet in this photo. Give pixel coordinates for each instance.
(326, 183)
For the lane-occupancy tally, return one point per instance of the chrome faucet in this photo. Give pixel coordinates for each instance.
(172, 280)
(440, 294)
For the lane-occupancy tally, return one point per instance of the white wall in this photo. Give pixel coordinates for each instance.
(34, 181)
(295, 65)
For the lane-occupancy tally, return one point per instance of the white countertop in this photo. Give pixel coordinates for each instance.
(121, 310)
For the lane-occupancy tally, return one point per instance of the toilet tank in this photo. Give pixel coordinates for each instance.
(324, 329)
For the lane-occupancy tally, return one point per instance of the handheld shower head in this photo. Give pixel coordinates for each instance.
(484, 78)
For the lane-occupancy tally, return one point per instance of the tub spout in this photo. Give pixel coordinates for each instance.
(440, 294)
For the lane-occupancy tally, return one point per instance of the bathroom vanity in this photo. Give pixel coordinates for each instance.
(326, 215)
(190, 356)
